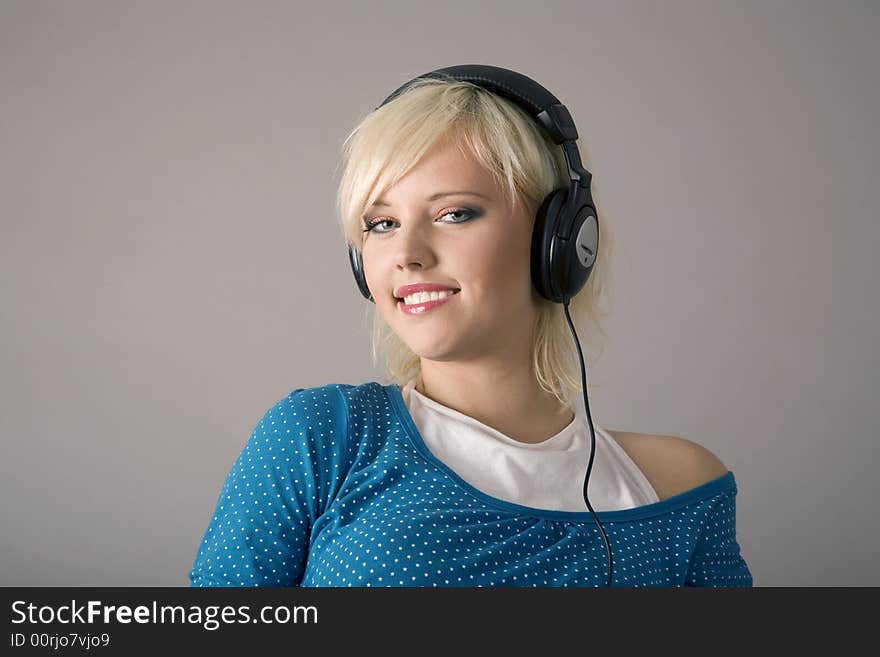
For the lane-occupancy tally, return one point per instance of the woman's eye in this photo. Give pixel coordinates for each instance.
(466, 212)
(371, 225)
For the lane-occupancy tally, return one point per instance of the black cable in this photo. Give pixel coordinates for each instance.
(592, 444)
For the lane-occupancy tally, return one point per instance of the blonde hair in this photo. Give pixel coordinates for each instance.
(523, 160)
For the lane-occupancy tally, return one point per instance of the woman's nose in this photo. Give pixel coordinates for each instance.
(412, 244)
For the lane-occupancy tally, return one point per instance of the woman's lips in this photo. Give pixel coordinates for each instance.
(427, 306)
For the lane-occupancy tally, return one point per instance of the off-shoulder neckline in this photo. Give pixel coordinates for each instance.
(724, 483)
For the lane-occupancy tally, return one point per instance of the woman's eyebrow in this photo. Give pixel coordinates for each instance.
(381, 203)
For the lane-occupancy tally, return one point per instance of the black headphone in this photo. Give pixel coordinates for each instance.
(565, 238)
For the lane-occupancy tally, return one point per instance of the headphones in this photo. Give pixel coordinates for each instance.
(565, 238)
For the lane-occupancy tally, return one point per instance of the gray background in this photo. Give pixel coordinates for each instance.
(172, 266)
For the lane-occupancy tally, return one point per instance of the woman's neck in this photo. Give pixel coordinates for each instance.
(527, 414)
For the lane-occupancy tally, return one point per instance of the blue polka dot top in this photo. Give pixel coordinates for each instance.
(335, 487)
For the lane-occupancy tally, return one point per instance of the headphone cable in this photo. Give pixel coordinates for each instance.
(592, 443)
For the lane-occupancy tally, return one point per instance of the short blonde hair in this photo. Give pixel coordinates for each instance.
(524, 161)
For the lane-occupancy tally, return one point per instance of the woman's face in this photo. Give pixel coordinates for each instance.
(472, 243)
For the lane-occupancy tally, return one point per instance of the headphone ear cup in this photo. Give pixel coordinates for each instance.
(578, 255)
(357, 268)
(545, 259)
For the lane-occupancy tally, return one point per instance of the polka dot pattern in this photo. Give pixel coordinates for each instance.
(334, 489)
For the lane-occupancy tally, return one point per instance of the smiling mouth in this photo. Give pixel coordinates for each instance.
(454, 292)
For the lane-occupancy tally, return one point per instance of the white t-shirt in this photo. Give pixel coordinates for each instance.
(547, 475)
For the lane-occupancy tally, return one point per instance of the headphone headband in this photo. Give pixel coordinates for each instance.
(544, 108)
(519, 88)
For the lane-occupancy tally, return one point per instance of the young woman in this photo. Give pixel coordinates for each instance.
(467, 468)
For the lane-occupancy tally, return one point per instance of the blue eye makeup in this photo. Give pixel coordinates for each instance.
(470, 214)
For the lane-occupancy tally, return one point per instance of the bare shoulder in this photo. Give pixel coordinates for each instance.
(672, 465)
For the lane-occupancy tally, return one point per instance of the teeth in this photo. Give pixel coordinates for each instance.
(422, 297)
